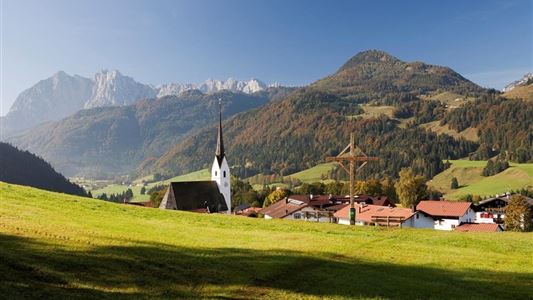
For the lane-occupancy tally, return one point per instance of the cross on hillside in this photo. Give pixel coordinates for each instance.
(352, 158)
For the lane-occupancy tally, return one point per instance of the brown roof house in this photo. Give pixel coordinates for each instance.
(316, 208)
(447, 215)
(384, 216)
(204, 196)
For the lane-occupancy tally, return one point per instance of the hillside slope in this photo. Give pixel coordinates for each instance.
(69, 247)
(23, 167)
(297, 132)
(468, 174)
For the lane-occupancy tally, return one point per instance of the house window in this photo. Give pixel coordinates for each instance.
(224, 174)
(297, 216)
(417, 216)
(453, 226)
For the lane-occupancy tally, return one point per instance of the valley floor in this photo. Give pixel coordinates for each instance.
(59, 246)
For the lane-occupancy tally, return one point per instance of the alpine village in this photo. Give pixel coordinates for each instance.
(383, 179)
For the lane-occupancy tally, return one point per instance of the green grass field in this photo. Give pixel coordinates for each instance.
(468, 174)
(135, 187)
(313, 174)
(60, 246)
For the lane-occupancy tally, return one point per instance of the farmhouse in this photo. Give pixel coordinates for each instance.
(317, 208)
(384, 216)
(204, 196)
(492, 210)
(447, 215)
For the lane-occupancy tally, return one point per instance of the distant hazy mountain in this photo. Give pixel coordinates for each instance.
(525, 80)
(114, 89)
(520, 89)
(62, 95)
(212, 86)
(24, 168)
(50, 99)
(114, 140)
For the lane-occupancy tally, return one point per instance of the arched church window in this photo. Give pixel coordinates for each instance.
(224, 174)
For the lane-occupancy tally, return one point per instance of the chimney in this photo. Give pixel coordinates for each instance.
(413, 208)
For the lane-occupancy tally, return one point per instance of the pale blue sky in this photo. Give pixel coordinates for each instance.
(293, 42)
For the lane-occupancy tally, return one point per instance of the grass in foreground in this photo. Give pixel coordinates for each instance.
(468, 174)
(59, 246)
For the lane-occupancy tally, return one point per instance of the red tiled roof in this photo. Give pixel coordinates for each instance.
(444, 208)
(282, 208)
(474, 227)
(366, 213)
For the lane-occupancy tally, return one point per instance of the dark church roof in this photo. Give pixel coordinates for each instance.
(219, 152)
(194, 196)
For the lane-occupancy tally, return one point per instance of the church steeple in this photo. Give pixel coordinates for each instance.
(220, 171)
(219, 152)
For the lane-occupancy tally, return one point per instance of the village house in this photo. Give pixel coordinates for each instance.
(316, 208)
(384, 216)
(447, 215)
(492, 210)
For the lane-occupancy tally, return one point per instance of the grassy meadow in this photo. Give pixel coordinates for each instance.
(136, 186)
(59, 246)
(468, 174)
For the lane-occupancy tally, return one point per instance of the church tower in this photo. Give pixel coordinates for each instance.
(220, 170)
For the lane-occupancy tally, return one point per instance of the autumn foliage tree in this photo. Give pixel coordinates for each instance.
(410, 188)
(517, 214)
(275, 196)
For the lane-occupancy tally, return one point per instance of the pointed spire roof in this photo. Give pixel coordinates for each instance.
(219, 152)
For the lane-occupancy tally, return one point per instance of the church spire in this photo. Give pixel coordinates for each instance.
(219, 152)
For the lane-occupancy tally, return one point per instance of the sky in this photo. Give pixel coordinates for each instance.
(292, 42)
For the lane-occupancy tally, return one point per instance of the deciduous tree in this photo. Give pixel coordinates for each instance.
(517, 214)
(410, 188)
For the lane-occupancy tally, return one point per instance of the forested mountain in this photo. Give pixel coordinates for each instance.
(504, 126)
(24, 168)
(114, 140)
(376, 75)
(315, 121)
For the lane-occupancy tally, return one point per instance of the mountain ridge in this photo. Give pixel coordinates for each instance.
(61, 95)
(113, 140)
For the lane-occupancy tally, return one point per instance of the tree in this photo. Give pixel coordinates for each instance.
(410, 188)
(455, 184)
(387, 189)
(275, 196)
(143, 190)
(517, 214)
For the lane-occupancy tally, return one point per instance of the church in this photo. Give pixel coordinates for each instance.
(204, 196)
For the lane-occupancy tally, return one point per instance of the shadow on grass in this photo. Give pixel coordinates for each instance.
(32, 269)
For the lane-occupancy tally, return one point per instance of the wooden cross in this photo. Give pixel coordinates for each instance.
(352, 158)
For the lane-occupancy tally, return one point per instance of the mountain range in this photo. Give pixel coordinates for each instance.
(426, 114)
(62, 95)
(113, 140)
